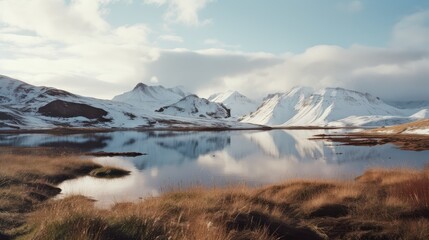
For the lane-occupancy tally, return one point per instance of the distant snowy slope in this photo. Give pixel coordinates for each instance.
(279, 108)
(193, 106)
(239, 104)
(329, 107)
(151, 97)
(424, 113)
(331, 104)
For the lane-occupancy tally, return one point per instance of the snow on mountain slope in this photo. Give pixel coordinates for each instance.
(424, 113)
(22, 95)
(25, 106)
(239, 104)
(279, 108)
(333, 104)
(193, 106)
(151, 97)
(329, 107)
(44, 107)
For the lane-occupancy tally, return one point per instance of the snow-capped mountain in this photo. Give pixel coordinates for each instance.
(24, 106)
(328, 107)
(29, 106)
(239, 104)
(280, 107)
(193, 106)
(151, 97)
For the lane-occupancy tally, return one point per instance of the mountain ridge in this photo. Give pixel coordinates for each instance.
(26, 106)
(239, 104)
(151, 97)
(327, 107)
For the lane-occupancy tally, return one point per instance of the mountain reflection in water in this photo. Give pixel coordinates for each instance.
(182, 159)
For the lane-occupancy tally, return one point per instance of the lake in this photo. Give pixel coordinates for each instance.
(177, 160)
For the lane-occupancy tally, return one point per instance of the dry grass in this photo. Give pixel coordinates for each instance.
(28, 179)
(109, 172)
(380, 204)
(396, 135)
(421, 124)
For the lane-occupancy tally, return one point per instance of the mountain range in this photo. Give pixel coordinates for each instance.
(336, 107)
(24, 106)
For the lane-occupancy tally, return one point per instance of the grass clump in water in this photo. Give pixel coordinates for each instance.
(109, 172)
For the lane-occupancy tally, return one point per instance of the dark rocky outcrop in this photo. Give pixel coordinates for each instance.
(63, 109)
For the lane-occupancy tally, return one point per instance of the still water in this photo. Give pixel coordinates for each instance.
(177, 160)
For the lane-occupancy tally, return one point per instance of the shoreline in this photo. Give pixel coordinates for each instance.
(412, 142)
(71, 130)
(352, 209)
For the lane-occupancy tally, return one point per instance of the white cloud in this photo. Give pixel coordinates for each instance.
(55, 19)
(21, 39)
(203, 71)
(412, 31)
(71, 46)
(171, 38)
(183, 11)
(53, 40)
(388, 73)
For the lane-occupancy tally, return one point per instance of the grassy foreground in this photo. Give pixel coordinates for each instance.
(380, 204)
(27, 181)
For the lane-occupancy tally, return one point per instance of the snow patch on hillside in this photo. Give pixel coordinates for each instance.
(151, 97)
(239, 104)
(193, 106)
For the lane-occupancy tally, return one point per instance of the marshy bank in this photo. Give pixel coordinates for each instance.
(380, 204)
(28, 179)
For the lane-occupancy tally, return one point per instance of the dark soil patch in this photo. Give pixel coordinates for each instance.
(348, 228)
(330, 210)
(256, 220)
(44, 189)
(419, 213)
(2, 236)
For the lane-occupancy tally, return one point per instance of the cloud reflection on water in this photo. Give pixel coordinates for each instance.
(179, 159)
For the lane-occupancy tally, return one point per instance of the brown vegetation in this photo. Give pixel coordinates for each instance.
(381, 204)
(379, 136)
(412, 142)
(28, 179)
(109, 172)
(402, 127)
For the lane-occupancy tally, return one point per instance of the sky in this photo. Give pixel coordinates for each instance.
(102, 48)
